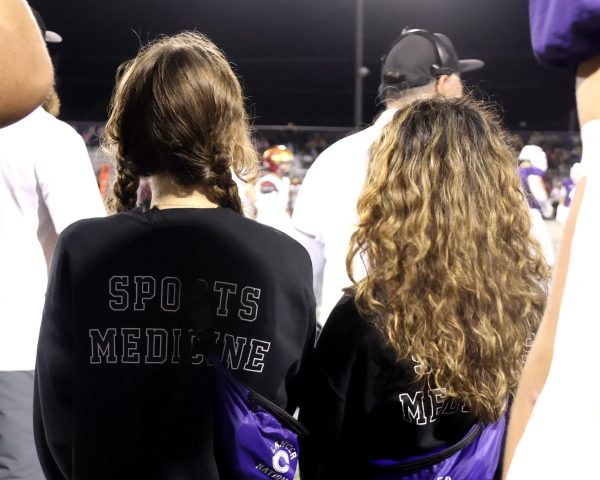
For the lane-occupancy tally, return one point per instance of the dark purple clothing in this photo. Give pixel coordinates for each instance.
(524, 174)
(564, 33)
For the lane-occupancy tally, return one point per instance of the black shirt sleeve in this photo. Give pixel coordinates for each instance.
(53, 394)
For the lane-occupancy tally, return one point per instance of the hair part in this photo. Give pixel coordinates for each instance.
(455, 280)
(178, 110)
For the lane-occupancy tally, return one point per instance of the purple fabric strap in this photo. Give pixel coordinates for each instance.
(564, 33)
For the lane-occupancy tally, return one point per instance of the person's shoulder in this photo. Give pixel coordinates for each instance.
(278, 239)
(261, 234)
(341, 157)
(345, 148)
(98, 227)
(56, 129)
(346, 320)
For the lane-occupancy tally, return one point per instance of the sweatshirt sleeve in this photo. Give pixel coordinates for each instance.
(53, 395)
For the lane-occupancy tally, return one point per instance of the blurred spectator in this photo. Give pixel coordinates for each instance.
(532, 166)
(273, 190)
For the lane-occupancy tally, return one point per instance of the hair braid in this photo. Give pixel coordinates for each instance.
(230, 196)
(123, 194)
(221, 187)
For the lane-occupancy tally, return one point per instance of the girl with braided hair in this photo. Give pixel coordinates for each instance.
(415, 365)
(143, 307)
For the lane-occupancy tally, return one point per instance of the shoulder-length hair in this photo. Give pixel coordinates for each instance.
(455, 280)
(178, 110)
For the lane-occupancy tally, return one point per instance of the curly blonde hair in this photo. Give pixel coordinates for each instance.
(178, 109)
(455, 279)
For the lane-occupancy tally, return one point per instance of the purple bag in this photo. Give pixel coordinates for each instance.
(475, 457)
(259, 439)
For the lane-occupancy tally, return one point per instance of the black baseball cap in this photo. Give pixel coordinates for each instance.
(419, 56)
(48, 35)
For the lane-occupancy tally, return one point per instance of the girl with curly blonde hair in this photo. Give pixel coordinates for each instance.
(422, 354)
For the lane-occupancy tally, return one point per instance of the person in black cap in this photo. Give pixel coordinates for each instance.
(422, 63)
(419, 64)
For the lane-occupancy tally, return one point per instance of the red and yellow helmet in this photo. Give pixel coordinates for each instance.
(275, 156)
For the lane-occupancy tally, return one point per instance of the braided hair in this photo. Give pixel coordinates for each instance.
(178, 110)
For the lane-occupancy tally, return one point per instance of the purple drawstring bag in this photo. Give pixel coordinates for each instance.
(259, 439)
(475, 457)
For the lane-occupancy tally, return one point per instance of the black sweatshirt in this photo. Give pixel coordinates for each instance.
(361, 403)
(123, 378)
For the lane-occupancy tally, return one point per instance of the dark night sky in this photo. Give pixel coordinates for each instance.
(296, 57)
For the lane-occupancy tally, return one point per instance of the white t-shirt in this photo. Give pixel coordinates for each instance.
(326, 208)
(46, 183)
(561, 437)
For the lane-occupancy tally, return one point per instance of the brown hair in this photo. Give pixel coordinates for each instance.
(178, 109)
(455, 280)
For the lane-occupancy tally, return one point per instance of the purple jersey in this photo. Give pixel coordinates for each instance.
(524, 174)
(564, 33)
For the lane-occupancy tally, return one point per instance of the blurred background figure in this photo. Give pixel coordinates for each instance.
(46, 183)
(533, 163)
(272, 202)
(103, 178)
(567, 192)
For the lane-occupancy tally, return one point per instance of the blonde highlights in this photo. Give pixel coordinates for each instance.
(455, 280)
(178, 109)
